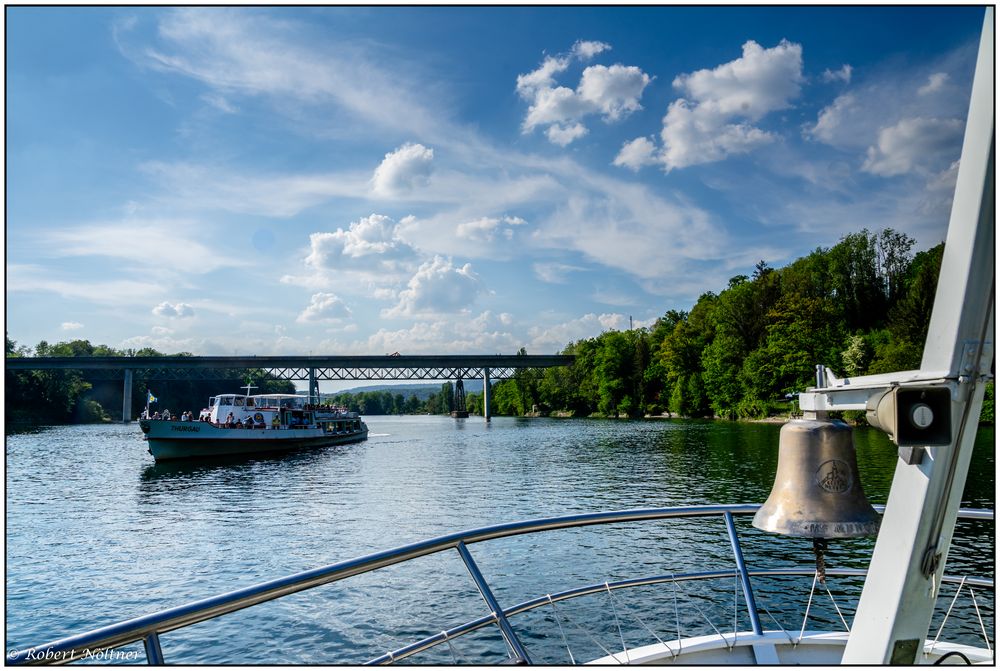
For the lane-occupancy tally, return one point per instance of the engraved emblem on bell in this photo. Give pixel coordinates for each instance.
(834, 476)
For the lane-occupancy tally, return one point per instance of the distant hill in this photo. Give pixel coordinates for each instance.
(421, 391)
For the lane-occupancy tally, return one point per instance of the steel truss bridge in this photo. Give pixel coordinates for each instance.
(311, 368)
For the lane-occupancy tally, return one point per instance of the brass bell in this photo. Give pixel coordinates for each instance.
(817, 490)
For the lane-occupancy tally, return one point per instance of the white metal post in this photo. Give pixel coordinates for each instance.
(897, 601)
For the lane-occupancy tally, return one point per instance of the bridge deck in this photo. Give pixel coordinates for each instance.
(364, 367)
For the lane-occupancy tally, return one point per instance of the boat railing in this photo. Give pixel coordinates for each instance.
(149, 628)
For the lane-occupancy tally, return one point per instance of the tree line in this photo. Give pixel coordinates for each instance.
(860, 307)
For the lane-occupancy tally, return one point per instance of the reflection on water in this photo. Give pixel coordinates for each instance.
(96, 532)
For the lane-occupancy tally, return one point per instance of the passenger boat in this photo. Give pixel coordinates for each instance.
(931, 414)
(236, 424)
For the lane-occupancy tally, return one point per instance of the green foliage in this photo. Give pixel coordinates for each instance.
(988, 413)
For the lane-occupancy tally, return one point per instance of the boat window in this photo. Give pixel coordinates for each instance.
(249, 402)
(214, 401)
(239, 401)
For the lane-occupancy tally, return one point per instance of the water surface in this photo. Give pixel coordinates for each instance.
(96, 533)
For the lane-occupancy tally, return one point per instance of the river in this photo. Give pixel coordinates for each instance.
(96, 532)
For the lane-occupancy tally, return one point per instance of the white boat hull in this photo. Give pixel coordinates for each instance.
(772, 648)
(186, 440)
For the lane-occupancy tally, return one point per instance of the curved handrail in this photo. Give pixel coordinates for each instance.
(525, 606)
(147, 628)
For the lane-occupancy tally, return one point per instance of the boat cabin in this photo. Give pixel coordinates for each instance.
(278, 410)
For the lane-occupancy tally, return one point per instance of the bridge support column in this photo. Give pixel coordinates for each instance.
(127, 397)
(486, 393)
(313, 386)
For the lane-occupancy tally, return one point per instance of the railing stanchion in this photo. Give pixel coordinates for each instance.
(741, 567)
(508, 632)
(154, 655)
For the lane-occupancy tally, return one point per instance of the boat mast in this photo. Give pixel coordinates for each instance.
(904, 578)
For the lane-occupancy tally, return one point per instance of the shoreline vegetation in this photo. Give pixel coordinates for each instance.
(861, 307)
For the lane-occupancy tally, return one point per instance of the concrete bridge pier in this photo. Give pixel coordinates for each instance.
(486, 393)
(127, 397)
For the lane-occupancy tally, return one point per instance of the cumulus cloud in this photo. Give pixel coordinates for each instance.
(913, 145)
(613, 92)
(636, 154)
(370, 244)
(585, 50)
(438, 287)
(935, 82)
(841, 75)
(716, 118)
(488, 229)
(403, 170)
(71, 326)
(167, 309)
(564, 135)
(324, 307)
(831, 119)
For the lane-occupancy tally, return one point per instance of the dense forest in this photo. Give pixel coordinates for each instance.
(860, 307)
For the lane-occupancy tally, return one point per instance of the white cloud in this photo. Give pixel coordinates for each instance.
(248, 53)
(438, 287)
(585, 50)
(554, 273)
(935, 82)
(161, 331)
(168, 309)
(71, 326)
(30, 278)
(324, 307)
(487, 229)
(715, 118)
(370, 245)
(564, 135)
(220, 103)
(610, 91)
(760, 82)
(841, 75)
(832, 119)
(403, 170)
(173, 246)
(614, 91)
(713, 123)
(693, 135)
(528, 85)
(913, 145)
(636, 154)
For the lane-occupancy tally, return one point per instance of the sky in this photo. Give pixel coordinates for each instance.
(369, 180)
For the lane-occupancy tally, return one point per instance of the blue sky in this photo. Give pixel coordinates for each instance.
(453, 180)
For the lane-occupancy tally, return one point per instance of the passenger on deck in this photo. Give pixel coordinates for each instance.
(229, 421)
